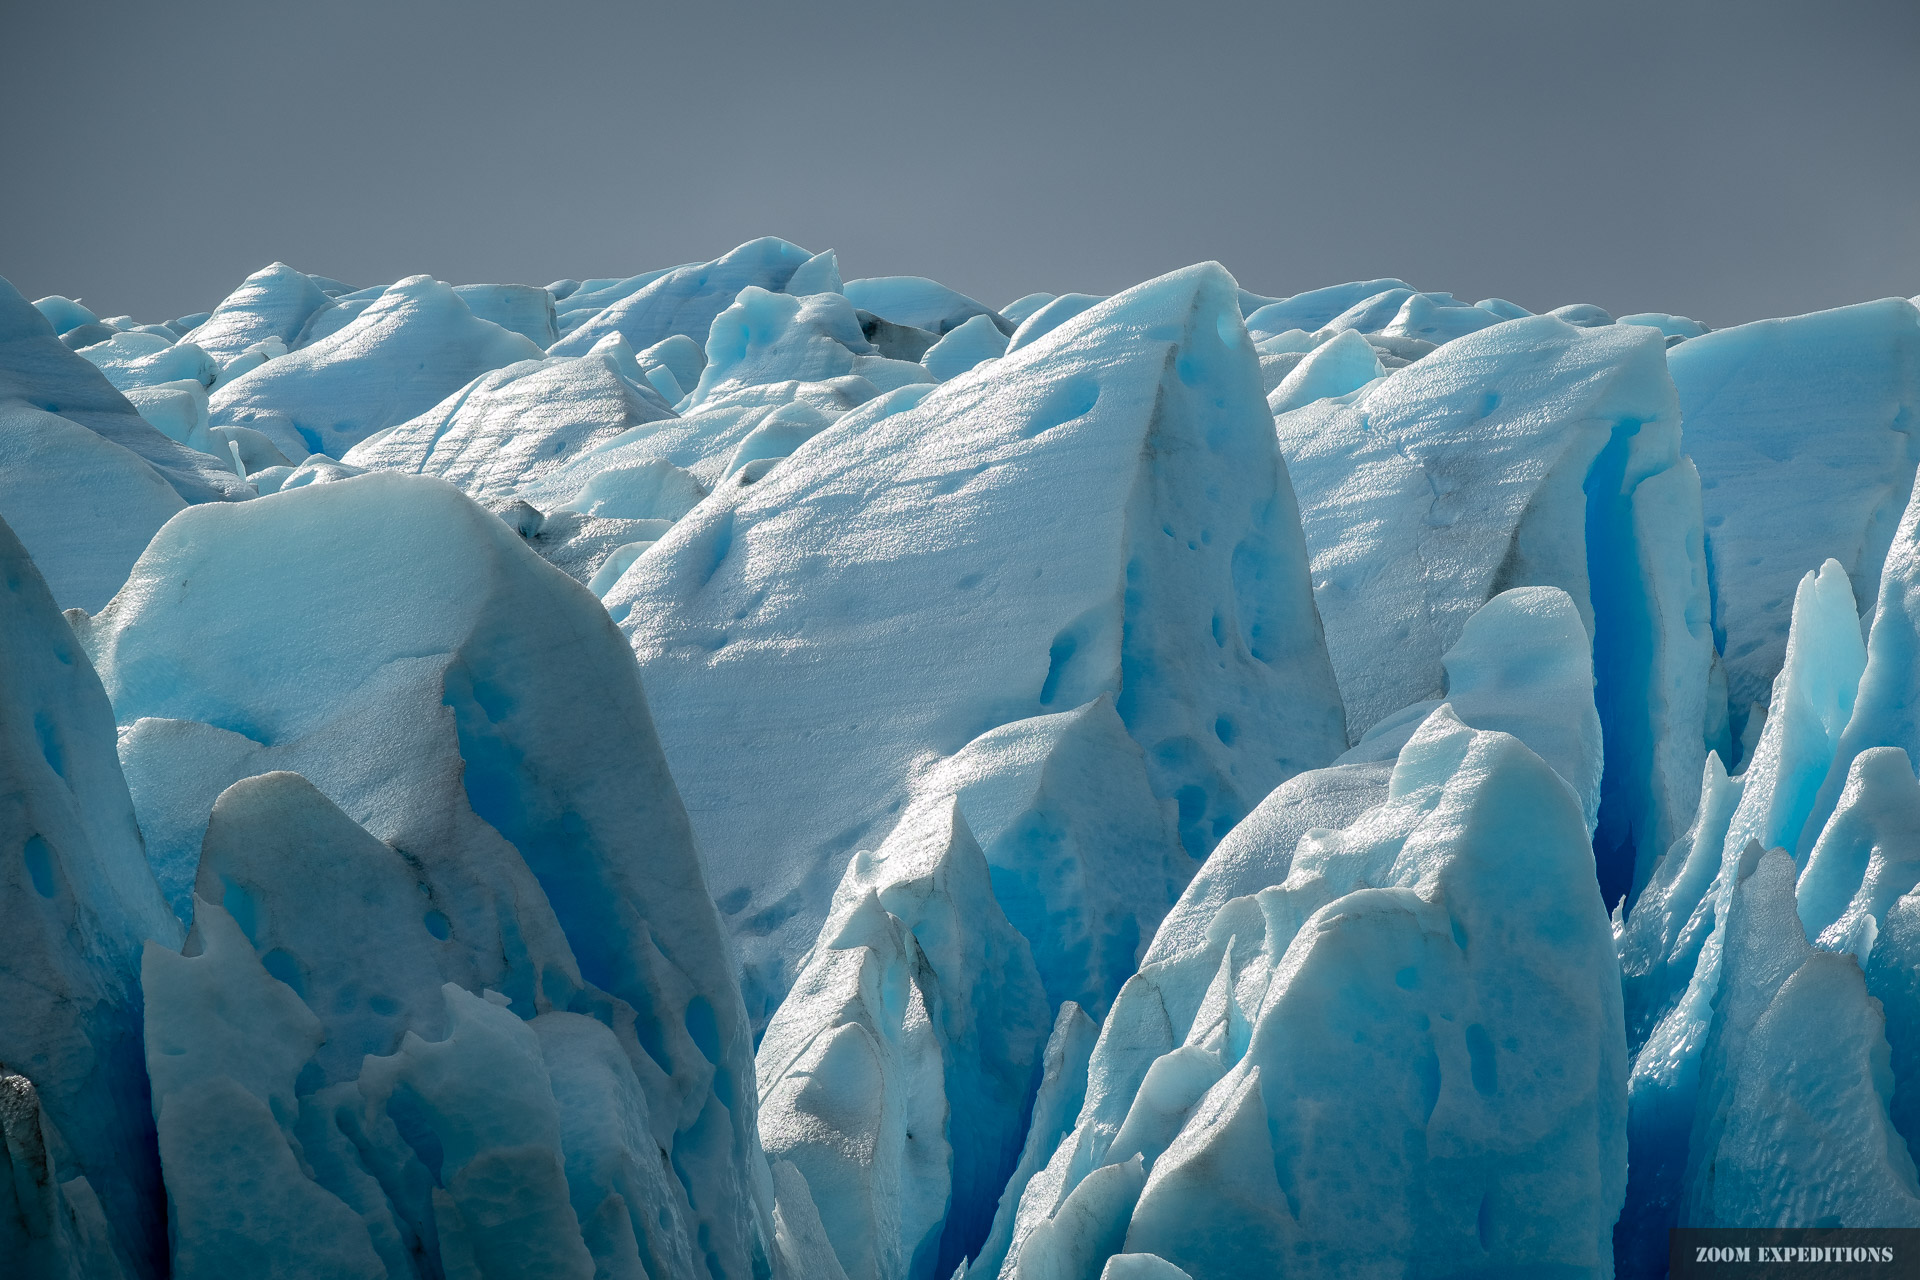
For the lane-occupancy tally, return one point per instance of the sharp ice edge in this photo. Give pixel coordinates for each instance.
(1151, 757)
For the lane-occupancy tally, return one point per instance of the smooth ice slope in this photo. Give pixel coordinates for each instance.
(274, 302)
(577, 301)
(965, 347)
(64, 314)
(1803, 430)
(76, 903)
(1102, 512)
(1529, 453)
(1437, 318)
(477, 710)
(1338, 367)
(87, 529)
(1055, 313)
(508, 429)
(1315, 309)
(412, 346)
(84, 480)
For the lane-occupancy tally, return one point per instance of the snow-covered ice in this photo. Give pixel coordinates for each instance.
(1531, 452)
(730, 772)
(489, 728)
(414, 344)
(1102, 513)
(76, 903)
(1349, 1036)
(1837, 392)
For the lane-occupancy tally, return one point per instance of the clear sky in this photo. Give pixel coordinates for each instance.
(1725, 160)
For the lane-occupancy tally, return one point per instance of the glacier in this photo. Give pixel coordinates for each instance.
(735, 772)
(1109, 516)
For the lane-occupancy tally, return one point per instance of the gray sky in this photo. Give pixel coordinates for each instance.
(1722, 160)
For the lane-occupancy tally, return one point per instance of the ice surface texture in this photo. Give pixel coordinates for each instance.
(1124, 788)
(122, 478)
(76, 903)
(1103, 513)
(479, 713)
(1530, 452)
(1836, 394)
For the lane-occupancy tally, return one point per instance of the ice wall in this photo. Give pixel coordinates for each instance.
(76, 904)
(1527, 453)
(1140, 765)
(1753, 978)
(478, 714)
(1363, 1033)
(1103, 512)
(1837, 392)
